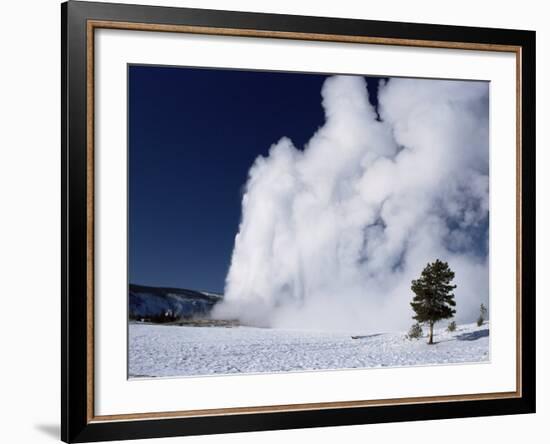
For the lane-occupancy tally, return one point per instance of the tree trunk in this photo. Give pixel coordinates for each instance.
(431, 341)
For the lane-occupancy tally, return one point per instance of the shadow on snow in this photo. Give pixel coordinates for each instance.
(473, 335)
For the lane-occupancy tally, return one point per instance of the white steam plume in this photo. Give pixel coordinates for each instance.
(331, 236)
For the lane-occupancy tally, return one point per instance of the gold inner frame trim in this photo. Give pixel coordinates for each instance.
(97, 24)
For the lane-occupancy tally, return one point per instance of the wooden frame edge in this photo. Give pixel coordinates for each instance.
(337, 38)
(90, 209)
(284, 408)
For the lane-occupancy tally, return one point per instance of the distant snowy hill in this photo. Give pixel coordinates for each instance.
(166, 304)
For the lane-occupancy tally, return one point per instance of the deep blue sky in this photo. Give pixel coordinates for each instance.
(193, 135)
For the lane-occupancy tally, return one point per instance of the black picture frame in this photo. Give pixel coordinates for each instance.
(77, 425)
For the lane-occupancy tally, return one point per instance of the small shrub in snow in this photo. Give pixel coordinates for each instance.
(482, 315)
(415, 331)
(452, 326)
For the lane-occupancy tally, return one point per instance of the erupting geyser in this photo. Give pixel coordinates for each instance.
(332, 235)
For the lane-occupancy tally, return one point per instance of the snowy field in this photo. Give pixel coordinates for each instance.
(164, 350)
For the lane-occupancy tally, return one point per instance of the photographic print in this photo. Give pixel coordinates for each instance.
(288, 221)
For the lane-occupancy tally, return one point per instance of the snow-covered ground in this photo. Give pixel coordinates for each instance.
(163, 350)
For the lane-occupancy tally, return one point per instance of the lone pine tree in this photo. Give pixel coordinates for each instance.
(433, 298)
